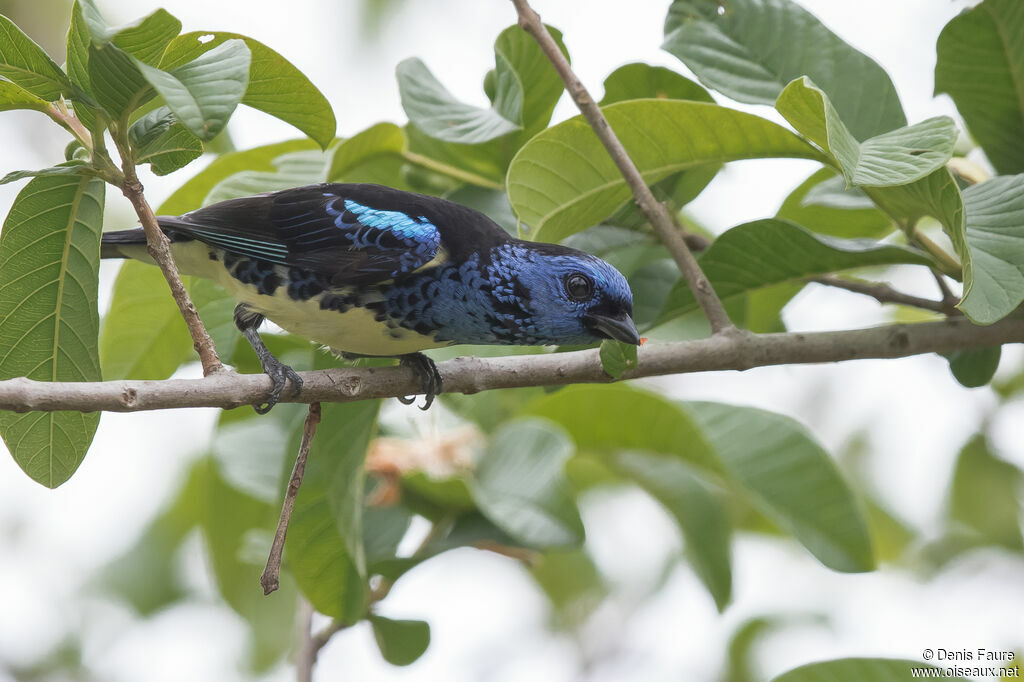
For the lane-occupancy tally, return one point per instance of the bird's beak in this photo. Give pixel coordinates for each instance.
(621, 328)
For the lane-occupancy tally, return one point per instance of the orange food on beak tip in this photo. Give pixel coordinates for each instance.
(643, 340)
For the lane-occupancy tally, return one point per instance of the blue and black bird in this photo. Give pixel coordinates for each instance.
(374, 271)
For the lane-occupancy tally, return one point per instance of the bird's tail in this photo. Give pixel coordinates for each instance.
(122, 243)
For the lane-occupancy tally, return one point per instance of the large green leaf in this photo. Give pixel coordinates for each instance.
(147, 38)
(823, 204)
(192, 194)
(995, 238)
(897, 157)
(116, 81)
(523, 89)
(275, 86)
(293, 169)
(792, 479)
(862, 670)
(701, 515)
(563, 180)
(204, 92)
(520, 484)
(49, 260)
(437, 113)
(768, 252)
(606, 419)
(985, 495)
(401, 642)
(160, 140)
(238, 529)
(981, 66)
(643, 81)
(325, 548)
(13, 96)
(753, 48)
(23, 62)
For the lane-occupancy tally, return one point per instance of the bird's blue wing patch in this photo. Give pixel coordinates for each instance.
(345, 240)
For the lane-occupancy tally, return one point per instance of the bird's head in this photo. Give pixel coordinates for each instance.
(573, 298)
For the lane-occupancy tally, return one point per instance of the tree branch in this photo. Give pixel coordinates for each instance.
(272, 572)
(883, 293)
(654, 211)
(472, 374)
(159, 247)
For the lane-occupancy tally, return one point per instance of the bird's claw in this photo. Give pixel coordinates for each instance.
(430, 379)
(279, 374)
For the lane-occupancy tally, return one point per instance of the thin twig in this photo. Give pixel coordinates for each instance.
(653, 210)
(271, 574)
(883, 293)
(159, 247)
(307, 654)
(947, 294)
(473, 374)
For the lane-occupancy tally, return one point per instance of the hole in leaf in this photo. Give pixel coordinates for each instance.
(206, 38)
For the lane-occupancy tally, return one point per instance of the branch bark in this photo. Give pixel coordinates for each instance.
(270, 578)
(159, 248)
(883, 293)
(654, 211)
(740, 351)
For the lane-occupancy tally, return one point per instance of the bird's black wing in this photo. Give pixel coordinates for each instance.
(354, 234)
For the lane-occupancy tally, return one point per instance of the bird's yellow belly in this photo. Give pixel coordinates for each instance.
(353, 331)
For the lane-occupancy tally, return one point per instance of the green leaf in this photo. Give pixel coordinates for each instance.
(701, 515)
(643, 81)
(74, 168)
(981, 66)
(823, 204)
(859, 670)
(144, 336)
(238, 529)
(520, 484)
(606, 419)
(792, 479)
(563, 179)
(146, 575)
(160, 140)
(204, 92)
(617, 357)
(768, 252)
(985, 493)
(116, 81)
(994, 216)
(525, 90)
(401, 642)
(275, 86)
(192, 194)
(572, 583)
(754, 48)
(897, 157)
(13, 96)
(436, 112)
(147, 38)
(78, 49)
(325, 547)
(974, 368)
(49, 260)
(26, 64)
(293, 169)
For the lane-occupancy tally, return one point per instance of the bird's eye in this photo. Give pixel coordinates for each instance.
(579, 287)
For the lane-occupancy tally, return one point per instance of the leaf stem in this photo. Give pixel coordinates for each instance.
(883, 293)
(451, 171)
(655, 212)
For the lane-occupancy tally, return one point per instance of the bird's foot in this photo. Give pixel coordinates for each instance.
(430, 378)
(279, 373)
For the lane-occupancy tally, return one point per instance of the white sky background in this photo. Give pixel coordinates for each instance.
(487, 620)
